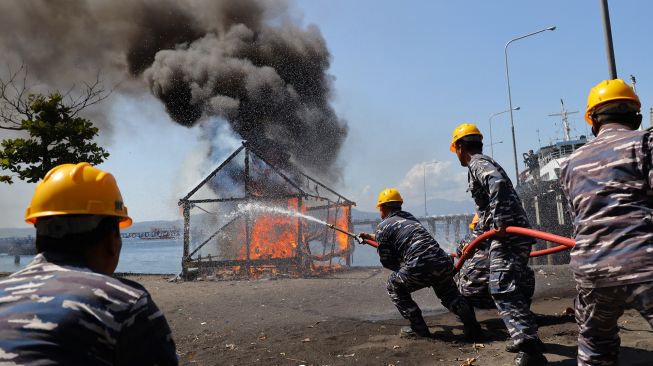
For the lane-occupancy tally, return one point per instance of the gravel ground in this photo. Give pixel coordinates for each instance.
(346, 318)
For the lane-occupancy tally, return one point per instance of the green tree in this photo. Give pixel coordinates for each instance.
(55, 137)
(53, 133)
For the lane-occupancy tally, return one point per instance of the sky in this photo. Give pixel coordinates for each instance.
(405, 75)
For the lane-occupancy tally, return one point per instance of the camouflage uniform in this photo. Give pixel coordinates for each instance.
(474, 275)
(56, 312)
(417, 260)
(608, 184)
(498, 205)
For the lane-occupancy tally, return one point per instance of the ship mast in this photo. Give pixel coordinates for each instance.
(565, 121)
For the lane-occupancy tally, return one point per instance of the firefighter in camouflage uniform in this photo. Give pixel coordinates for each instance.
(417, 261)
(474, 275)
(609, 185)
(65, 308)
(498, 207)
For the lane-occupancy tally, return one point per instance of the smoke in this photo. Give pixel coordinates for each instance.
(246, 62)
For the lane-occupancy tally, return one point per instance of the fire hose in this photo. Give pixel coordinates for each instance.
(565, 243)
(470, 248)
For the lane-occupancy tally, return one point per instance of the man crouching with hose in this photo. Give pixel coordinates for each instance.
(417, 261)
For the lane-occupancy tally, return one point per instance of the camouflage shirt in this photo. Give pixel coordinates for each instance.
(56, 312)
(497, 203)
(608, 185)
(403, 240)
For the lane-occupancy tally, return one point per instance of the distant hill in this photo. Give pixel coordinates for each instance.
(17, 232)
(435, 206)
(136, 227)
(438, 206)
(143, 226)
(363, 215)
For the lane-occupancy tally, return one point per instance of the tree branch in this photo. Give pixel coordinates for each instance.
(15, 98)
(94, 93)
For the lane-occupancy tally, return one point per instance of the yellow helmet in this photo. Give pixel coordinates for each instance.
(77, 189)
(465, 129)
(607, 91)
(389, 195)
(472, 225)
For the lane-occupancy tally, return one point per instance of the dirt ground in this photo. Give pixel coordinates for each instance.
(347, 318)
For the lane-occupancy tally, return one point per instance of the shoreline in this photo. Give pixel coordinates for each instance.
(346, 318)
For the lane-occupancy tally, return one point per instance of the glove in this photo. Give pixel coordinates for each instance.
(365, 236)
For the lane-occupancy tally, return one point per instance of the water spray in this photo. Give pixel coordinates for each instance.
(468, 251)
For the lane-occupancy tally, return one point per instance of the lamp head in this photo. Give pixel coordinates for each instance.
(551, 28)
(516, 108)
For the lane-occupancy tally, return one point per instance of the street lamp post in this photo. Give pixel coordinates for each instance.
(512, 123)
(424, 176)
(490, 120)
(497, 143)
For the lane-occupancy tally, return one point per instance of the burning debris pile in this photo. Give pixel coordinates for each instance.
(250, 217)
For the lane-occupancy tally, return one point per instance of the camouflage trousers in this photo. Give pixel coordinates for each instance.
(409, 279)
(597, 312)
(473, 284)
(474, 277)
(512, 286)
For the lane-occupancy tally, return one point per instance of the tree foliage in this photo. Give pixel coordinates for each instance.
(55, 133)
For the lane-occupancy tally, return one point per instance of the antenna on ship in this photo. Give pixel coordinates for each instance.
(565, 121)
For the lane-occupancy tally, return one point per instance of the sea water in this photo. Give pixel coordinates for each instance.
(137, 256)
(164, 257)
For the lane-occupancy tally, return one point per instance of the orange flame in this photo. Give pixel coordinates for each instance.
(273, 236)
(343, 222)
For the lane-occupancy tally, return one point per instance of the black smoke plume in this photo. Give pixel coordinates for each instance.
(244, 61)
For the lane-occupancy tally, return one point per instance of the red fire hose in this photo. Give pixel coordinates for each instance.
(565, 243)
(371, 243)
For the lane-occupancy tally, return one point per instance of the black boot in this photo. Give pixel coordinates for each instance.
(530, 353)
(471, 328)
(473, 331)
(513, 347)
(418, 328)
(530, 359)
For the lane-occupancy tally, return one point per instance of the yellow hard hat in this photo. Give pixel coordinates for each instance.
(607, 91)
(389, 195)
(77, 189)
(465, 129)
(472, 225)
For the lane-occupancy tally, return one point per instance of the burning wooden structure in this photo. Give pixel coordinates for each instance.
(258, 214)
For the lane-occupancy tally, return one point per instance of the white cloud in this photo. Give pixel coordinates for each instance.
(442, 181)
(366, 190)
